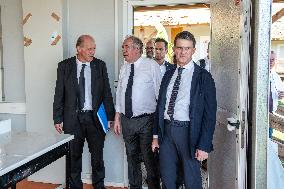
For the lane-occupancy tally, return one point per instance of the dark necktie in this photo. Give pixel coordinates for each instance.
(82, 88)
(174, 94)
(270, 102)
(128, 94)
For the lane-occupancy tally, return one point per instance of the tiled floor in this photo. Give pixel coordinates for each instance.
(35, 185)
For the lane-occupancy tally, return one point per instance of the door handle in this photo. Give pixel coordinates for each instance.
(233, 124)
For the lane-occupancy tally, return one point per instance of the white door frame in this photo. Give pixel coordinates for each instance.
(241, 164)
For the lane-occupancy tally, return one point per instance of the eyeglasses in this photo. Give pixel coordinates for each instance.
(184, 48)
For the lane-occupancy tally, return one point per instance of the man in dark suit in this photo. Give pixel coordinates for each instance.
(161, 50)
(82, 85)
(185, 116)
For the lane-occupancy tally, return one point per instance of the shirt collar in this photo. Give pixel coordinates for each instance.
(188, 66)
(164, 63)
(81, 63)
(137, 62)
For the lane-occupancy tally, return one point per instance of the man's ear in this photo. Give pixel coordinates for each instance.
(78, 48)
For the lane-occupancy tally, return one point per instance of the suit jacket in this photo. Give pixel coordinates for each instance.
(202, 110)
(65, 105)
(168, 65)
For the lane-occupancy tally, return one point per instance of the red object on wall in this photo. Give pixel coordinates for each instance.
(237, 2)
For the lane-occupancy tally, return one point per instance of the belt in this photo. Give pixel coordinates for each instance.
(85, 111)
(140, 116)
(176, 123)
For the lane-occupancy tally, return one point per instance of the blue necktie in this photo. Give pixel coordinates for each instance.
(128, 94)
(82, 88)
(174, 94)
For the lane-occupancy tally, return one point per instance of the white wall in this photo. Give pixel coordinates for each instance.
(13, 55)
(13, 60)
(41, 60)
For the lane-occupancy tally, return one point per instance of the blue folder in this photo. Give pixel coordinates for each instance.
(103, 118)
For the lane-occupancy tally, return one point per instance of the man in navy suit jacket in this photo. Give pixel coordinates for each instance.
(185, 116)
(161, 49)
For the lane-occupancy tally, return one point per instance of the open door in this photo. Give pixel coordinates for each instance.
(229, 54)
(230, 60)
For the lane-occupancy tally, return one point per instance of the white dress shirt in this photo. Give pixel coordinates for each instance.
(181, 108)
(87, 75)
(163, 69)
(145, 89)
(276, 86)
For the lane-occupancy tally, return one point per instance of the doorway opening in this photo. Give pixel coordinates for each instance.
(164, 21)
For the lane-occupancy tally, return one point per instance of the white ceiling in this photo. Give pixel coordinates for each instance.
(172, 17)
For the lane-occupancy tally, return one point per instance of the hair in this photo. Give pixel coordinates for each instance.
(136, 42)
(272, 52)
(152, 40)
(162, 40)
(185, 35)
(81, 40)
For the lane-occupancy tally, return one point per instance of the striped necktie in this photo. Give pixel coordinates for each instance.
(174, 94)
(128, 94)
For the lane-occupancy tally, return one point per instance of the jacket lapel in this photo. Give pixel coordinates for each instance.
(194, 84)
(73, 72)
(165, 86)
(94, 69)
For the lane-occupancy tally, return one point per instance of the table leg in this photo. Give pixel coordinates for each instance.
(13, 186)
(68, 166)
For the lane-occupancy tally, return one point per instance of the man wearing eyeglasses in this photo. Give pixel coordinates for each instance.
(136, 99)
(185, 116)
(150, 46)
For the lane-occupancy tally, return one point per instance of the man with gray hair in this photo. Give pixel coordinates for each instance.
(136, 97)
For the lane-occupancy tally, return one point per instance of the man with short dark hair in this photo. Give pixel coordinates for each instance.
(161, 50)
(136, 98)
(82, 85)
(185, 116)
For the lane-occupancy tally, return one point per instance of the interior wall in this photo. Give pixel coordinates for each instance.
(97, 18)
(13, 55)
(13, 60)
(41, 60)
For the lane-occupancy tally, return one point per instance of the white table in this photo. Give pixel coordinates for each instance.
(22, 154)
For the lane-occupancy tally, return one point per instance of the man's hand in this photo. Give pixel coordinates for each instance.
(201, 155)
(117, 125)
(58, 128)
(155, 144)
(281, 95)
